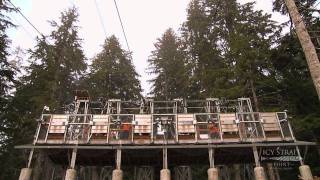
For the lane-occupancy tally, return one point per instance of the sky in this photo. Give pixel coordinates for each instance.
(144, 21)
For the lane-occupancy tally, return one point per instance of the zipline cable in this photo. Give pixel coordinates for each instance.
(24, 29)
(26, 18)
(100, 18)
(123, 31)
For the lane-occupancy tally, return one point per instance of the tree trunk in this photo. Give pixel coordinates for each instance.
(306, 43)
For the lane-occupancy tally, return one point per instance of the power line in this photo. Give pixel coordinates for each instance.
(26, 18)
(100, 17)
(124, 33)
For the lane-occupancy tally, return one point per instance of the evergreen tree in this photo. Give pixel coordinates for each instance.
(6, 69)
(167, 63)
(250, 42)
(56, 67)
(298, 95)
(53, 73)
(306, 8)
(200, 34)
(7, 83)
(229, 46)
(112, 73)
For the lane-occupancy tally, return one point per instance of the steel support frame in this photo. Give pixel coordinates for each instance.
(73, 158)
(118, 159)
(183, 173)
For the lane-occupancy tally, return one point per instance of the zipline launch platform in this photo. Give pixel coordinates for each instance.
(164, 134)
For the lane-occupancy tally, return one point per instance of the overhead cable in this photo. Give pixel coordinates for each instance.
(100, 17)
(123, 31)
(26, 18)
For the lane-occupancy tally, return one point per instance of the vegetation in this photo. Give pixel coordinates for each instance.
(112, 74)
(168, 64)
(223, 49)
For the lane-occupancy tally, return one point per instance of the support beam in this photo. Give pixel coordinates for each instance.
(305, 172)
(182, 173)
(117, 174)
(213, 174)
(143, 173)
(73, 158)
(211, 157)
(259, 173)
(25, 174)
(71, 174)
(212, 171)
(165, 158)
(256, 156)
(30, 158)
(165, 174)
(118, 159)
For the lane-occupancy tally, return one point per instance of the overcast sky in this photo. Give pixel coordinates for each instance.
(144, 21)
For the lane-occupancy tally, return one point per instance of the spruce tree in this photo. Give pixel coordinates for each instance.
(8, 81)
(57, 63)
(203, 34)
(112, 73)
(167, 63)
(250, 43)
(6, 69)
(229, 46)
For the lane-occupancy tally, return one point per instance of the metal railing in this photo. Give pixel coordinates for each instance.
(197, 127)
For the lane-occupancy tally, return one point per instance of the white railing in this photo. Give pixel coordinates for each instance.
(149, 128)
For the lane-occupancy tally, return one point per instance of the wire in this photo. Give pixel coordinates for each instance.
(26, 18)
(100, 17)
(20, 25)
(312, 7)
(315, 6)
(124, 33)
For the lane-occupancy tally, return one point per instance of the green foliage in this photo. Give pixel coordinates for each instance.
(56, 67)
(6, 70)
(229, 48)
(53, 74)
(167, 63)
(225, 50)
(305, 7)
(112, 73)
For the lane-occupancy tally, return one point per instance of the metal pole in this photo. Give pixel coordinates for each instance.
(118, 159)
(73, 158)
(256, 156)
(165, 158)
(211, 157)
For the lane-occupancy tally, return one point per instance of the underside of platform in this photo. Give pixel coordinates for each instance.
(99, 155)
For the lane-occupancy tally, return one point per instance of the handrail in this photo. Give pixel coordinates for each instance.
(194, 117)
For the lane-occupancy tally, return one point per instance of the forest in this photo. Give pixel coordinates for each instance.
(224, 49)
